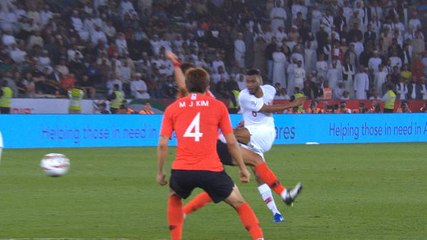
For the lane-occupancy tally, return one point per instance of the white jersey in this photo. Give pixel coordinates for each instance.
(260, 125)
(250, 105)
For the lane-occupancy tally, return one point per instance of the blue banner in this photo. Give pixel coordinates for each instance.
(74, 130)
(351, 128)
(55, 131)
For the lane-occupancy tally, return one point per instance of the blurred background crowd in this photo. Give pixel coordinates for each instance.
(332, 49)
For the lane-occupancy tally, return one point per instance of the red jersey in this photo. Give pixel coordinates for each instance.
(196, 120)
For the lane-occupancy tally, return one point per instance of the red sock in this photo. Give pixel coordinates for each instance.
(198, 202)
(175, 217)
(266, 175)
(250, 221)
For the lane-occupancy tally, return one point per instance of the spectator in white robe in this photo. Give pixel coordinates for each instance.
(279, 66)
(8, 20)
(374, 62)
(35, 39)
(155, 44)
(240, 79)
(109, 29)
(395, 60)
(322, 66)
(334, 75)
(43, 60)
(124, 72)
(45, 15)
(338, 92)
(298, 55)
(239, 50)
(348, 72)
(316, 17)
(121, 43)
(402, 89)
(217, 62)
(280, 35)
(358, 48)
(278, 17)
(76, 20)
(112, 81)
(138, 87)
(418, 44)
(290, 71)
(414, 22)
(165, 66)
(17, 55)
(126, 7)
(380, 79)
(327, 21)
(310, 56)
(299, 6)
(359, 8)
(219, 74)
(361, 84)
(347, 11)
(98, 36)
(299, 75)
(8, 38)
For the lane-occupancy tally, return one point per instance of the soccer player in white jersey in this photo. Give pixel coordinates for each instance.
(256, 104)
(252, 159)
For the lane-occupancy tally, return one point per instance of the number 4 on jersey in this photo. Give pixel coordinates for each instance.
(193, 130)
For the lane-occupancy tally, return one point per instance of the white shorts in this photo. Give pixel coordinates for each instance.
(262, 139)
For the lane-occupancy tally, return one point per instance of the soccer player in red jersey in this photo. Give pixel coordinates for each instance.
(196, 120)
(266, 178)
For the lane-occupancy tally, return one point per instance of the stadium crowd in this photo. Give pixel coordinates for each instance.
(335, 49)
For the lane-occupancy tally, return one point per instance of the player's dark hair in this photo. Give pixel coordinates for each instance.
(255, 72)
(197, 80)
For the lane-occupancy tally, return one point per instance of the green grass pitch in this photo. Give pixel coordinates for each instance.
(364, 191)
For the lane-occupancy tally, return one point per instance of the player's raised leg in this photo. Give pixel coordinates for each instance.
(196, 203)
(264, 175)
(267, 197)
(267, 176)
(261, 141)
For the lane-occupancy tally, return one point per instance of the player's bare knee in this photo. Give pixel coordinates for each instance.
(235, 199)
(250, 158)
(242, 135)
(172, 193)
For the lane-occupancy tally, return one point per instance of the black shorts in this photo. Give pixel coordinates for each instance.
(217, 184)
(223, 153)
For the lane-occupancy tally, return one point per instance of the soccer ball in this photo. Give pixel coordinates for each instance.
(55, 164)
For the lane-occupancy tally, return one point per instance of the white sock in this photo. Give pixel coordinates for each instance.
(267, 196)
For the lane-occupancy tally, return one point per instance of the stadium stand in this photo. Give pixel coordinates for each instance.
(50, 46)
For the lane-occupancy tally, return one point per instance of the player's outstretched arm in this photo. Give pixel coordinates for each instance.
(234, 149)
(179, 75)
(162, 152)
(281, 107)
